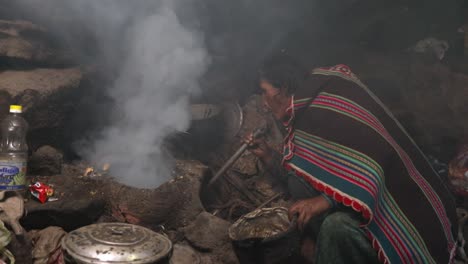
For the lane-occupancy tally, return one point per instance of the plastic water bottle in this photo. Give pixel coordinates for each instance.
(13, 150)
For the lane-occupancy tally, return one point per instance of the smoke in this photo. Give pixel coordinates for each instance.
(157, 61)
(156, 51)
(161, 71)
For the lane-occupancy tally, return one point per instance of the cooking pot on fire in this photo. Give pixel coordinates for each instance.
(266, 236)
(116, 243)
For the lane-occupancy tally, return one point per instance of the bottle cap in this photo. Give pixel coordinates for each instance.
(16, 109)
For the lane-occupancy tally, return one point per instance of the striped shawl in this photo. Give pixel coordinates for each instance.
(345, 143)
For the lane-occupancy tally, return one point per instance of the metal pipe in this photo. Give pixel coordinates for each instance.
(256, 134)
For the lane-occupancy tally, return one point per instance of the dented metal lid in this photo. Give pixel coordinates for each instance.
(116, 243)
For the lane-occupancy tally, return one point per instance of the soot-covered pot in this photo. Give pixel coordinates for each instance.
(116, 243)
(266, 236)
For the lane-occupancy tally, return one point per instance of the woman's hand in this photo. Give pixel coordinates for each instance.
(307, 209)
(259, 147)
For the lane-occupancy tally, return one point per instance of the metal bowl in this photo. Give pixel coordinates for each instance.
(266, 235)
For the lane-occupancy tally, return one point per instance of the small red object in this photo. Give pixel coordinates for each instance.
(41, 191)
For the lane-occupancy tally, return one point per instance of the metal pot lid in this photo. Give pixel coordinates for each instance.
(263, 223)
(106, 243)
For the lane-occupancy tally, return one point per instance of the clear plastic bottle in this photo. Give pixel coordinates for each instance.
(13, 150)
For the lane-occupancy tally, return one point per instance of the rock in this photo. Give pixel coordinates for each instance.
(210, 233)
(429, 99)
(225, 254)
(80, 202)
(207, 232)
(175, 236)
(207, 259)
(5, 101)
(432, 46)
(48, 97)
(174, 204)
(18, 27)
(46, 161)
(27, 98)
(18, 48)
(45, 81)
(184, 254)
(23, 40)
(47, 94)
(456, 93)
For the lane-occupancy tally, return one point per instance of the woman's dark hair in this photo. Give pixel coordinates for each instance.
(283, 72)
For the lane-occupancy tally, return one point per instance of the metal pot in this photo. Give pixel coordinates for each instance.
(116, 243)
(266, 236)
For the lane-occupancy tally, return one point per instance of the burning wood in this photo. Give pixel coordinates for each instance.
(92, 172)
(88, 172)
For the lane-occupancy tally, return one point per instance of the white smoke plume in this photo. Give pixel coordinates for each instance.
(157, 52)
(161, 71)
(158, 62)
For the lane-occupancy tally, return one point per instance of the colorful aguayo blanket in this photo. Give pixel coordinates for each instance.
(344, 142)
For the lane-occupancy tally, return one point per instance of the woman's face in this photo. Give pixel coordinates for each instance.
(275, 99)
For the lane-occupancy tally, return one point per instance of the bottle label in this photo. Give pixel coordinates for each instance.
(12, 175)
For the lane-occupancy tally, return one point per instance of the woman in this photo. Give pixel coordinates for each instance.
(380, 200)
